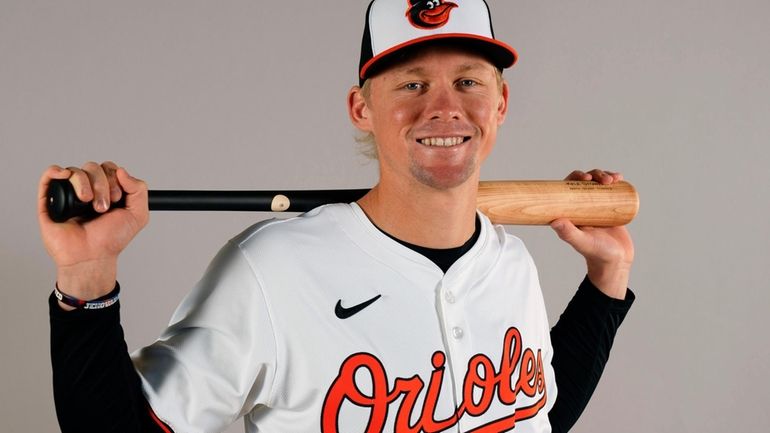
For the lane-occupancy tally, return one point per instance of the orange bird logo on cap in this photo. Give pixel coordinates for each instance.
(429, 14)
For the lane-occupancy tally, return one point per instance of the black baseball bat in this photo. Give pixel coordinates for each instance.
(63, 203)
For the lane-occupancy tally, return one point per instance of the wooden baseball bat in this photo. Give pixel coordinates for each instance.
(529, 202)
(538, 202)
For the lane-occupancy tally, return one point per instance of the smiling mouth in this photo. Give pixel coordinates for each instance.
(443, 141)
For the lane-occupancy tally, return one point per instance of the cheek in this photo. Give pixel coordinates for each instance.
(400, 118)
(399, 115)
(484, 111)
(486, 114)
(404, 112)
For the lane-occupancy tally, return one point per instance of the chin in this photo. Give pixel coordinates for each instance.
(443, 178)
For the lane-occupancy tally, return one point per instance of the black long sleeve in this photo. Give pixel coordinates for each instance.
(95, 385)
(581, 340)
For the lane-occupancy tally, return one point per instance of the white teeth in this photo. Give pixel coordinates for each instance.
(442, 141)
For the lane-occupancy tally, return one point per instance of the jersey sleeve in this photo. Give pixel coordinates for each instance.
(582, 339)
(216, 360)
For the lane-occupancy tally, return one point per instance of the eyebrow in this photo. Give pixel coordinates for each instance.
(470, 67)
(418, 70)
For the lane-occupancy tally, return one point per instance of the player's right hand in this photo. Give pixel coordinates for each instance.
(86, 252)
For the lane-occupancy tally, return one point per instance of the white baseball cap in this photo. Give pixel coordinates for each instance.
(393, 25)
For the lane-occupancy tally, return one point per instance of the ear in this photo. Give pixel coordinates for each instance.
(502, 107)
(358, 110)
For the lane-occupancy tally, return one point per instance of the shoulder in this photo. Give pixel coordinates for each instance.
(498, 235)
(508, 248)
(316, 226)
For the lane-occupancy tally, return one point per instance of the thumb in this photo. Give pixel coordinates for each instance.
(569, 233)
(136, 192)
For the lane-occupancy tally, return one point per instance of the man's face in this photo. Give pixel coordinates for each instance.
(434, 116)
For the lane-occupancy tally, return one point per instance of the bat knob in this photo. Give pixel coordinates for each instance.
(62, 202)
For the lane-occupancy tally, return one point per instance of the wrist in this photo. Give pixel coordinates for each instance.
(610, 280)
(88, 280)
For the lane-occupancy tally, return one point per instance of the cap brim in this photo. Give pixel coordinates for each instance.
(500, 54)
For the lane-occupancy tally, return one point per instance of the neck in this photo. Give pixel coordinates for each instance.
(422, 215)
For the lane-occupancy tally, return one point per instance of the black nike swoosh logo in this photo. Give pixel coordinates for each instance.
(343, 313)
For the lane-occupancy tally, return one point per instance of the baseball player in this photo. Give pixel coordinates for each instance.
(407, 311)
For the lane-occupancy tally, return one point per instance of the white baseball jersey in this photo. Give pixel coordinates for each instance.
(323, 323)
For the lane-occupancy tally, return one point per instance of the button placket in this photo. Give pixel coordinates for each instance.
(449, 297)
(451, 315)
(456, 337)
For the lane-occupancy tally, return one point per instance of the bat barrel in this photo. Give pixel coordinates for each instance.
(538, 202)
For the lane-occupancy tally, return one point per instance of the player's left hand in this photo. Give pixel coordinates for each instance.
(608, 251)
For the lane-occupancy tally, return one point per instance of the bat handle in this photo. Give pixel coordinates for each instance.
(63, 203)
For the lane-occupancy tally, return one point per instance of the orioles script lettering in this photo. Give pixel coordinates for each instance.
(482, 375)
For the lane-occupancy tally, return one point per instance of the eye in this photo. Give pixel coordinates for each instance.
(467, 83)
(413, 86)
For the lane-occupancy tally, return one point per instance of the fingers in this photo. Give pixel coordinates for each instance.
(80, 183)
(100, 186)
(97, 183)
(578, 175)
(603, 177)
(110, 170)
(570, 234)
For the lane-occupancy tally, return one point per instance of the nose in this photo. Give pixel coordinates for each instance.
(443, 103)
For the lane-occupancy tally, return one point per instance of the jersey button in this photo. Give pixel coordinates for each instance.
(457, 332)
(449, 297)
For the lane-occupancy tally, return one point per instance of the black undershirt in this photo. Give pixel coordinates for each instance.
(444, 258)
(97, 389)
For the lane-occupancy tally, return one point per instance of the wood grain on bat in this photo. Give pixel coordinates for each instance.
(539, 202)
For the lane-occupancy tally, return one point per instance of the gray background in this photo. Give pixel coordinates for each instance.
(194, 94)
